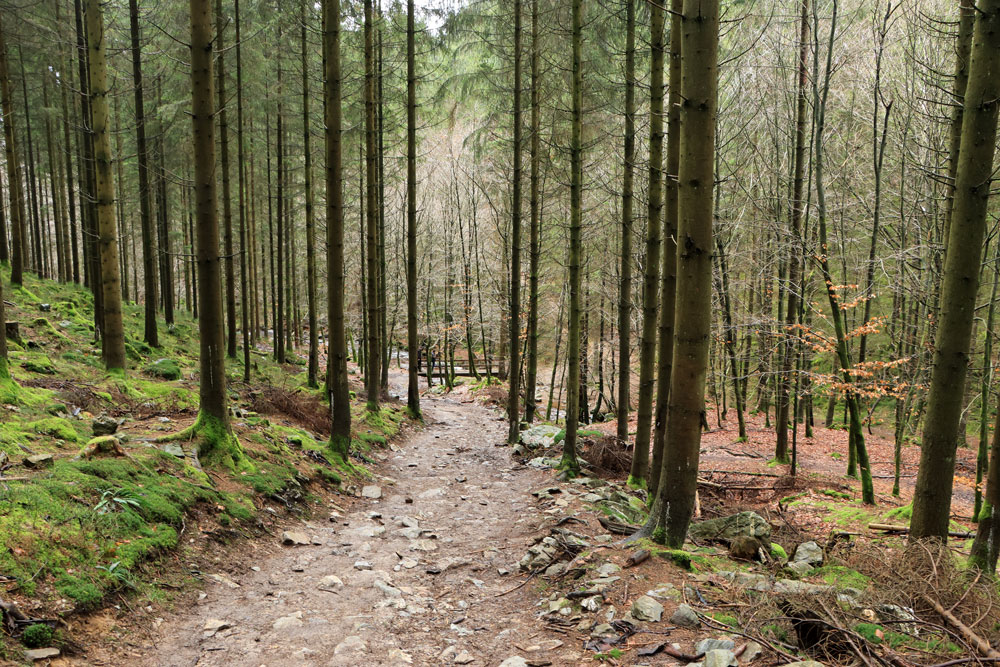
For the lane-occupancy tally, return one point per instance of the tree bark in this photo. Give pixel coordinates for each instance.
(514, 317)
(974, 176)
(625, 281)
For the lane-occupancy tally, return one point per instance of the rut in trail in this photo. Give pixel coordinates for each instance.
(421, 568)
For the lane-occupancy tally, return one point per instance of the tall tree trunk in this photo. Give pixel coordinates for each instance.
(227, 206)
(373, 356)
(312, 373)
(113, 333)
(639, 473)
(412, 352)
(569, 464)
(534, 250)
(150, 334)
(14, 185)
(959, 286)
(625, 281)
(278, 243)
(246, 247)
(514, 318)
(793, 289)
(674, 504)
(668, 282)
(217, 442)
(963, 52)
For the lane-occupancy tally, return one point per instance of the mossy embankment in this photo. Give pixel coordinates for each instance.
(78, 529)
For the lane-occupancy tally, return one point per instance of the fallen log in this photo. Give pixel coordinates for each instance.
(904, 530)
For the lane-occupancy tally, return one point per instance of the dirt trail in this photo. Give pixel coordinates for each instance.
(439, 544)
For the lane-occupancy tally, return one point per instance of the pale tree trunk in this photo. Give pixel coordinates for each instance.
(113, 333)
(673, 506)
(227, 205)
(245, 254)
(959, 286)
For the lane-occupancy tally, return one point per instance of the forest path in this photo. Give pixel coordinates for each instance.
(421, 567)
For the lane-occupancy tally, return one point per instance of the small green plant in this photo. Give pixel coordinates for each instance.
(116, 500)
(613, 654)
(118, 574)
(37, 635)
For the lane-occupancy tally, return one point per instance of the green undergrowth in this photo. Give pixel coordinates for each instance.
(78, 531)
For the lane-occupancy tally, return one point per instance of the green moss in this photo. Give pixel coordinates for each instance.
(836, 494)
(56, 427)
(37, 636)
(778, 551)
(165, 369)
(842, 577)
(904, 513)
(681, 558)
(727, 619)
(217, 445)
(40, 364)
(84, 593)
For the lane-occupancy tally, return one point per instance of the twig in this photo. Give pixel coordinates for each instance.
(530, 577)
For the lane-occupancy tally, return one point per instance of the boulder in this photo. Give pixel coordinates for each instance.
(646, 608)
(809, 552)
(103, 445)
(720, 658)
(728, 528)
(294, 538)
(685, 617)
(541, 436)
(713, 644)
(104, 425)
(371, 491)
(38, 461)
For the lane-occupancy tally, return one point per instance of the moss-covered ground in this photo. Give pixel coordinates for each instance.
(76, 532)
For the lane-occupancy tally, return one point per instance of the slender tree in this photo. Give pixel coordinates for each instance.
(216, 442)
(412, 350)
(113, 332)
(569, 464)
(625, 281)
(514, 317)
(374, 356)
(150, 334)
(312, 372)
(14, 185)
(650, 303)
(227, 204)
(674, 503)
(960, 283)
(534, 242)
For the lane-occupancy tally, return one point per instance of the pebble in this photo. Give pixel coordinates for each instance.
(288, 622)
(330, 582)
(294, 538)
(362, 565)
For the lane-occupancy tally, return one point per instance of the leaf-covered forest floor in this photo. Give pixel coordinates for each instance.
(436, 546)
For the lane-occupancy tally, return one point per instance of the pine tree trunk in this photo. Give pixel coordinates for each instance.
(932, 496)
(639, 473)
(514, 316)
(373, 356)
(217, 439)
(674, 504)
(15, 190)
(570, 465)
(413, 378)
(227, 212)
(246, 247)
(113, 333)
(668, 281)
(625, 282)
(534, 250)
(312, 374)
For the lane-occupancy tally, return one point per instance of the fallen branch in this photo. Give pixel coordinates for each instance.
(981, 644)
(904, 530)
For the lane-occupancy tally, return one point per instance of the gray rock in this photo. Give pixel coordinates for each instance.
(685, 617)
(173, 449)
(41, 654)
(463, 658)
(371, 491)
(751, 652)
(800, 567)
(388, 590)
(591, 604)
(514, 661)
(665, 592)
(809, 552)
(790, 586)
(104, 425)
(294, 538)
(38, 461)
(362, 565)
(541, 436)
(720, 658)
(608, 569)
(214, 625)
(712, 644)
(727, 528)
(647, 609)
(540, 556)
(330, 582)
(603, 630)
(352, 644)
(288, 622)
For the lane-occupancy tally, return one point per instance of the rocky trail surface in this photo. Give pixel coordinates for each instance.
(421, 573)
